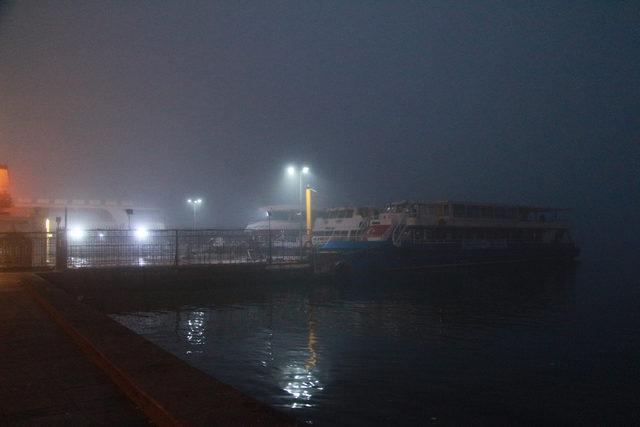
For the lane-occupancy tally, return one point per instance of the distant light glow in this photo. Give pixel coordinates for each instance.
(291, 171)
(141, 233)
(76, 233)
(305, 170)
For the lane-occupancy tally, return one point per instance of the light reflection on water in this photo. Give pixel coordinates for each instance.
(453, 347)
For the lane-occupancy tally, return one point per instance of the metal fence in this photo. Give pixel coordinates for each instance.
(27, 250)
(103, 248)
(108, 248)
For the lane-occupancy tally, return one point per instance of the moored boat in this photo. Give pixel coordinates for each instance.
(342, 224)
(415, 235)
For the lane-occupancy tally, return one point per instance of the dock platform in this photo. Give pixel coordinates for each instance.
(45, 378)
(62, 362)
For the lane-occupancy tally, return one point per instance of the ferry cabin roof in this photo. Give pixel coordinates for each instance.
(470, 213)
(348, 212)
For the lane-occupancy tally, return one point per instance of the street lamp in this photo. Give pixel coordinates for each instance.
(291, 171)
(194, 203)
(269, 230)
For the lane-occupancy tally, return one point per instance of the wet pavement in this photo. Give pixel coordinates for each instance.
(44, 378)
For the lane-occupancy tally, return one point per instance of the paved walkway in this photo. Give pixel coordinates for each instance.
(44, 378)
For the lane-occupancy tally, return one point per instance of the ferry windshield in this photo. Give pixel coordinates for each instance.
(282, 215)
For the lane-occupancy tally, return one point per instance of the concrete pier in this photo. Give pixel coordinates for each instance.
(44, 378)
(63, 362)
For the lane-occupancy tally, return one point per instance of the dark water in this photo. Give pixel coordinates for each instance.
(532, 344)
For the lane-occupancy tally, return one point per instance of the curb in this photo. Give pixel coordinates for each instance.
(149, 406)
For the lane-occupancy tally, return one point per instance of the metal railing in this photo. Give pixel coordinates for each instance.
(112, 248)
(27, 250)
(104, 248)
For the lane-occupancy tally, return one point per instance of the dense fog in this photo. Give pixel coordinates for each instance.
(156, 102)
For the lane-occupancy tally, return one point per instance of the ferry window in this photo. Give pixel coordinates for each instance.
(512, 213)
(473, 211)
(500, 212)
(446, 210)
(279, 215)
(486, 212)
(459, 210)
(349, 213)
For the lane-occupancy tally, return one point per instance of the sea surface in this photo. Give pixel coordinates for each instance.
(527, 344)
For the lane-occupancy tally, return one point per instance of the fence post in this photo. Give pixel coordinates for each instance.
(62, 249)
(176, 259)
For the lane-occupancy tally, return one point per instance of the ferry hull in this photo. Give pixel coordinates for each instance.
(386, 256)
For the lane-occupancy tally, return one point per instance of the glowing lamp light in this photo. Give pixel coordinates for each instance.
(291, 170)
(76, 233)
(305, 170)
(141, 233)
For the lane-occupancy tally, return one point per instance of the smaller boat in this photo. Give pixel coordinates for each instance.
(342, 224)
(282, 218)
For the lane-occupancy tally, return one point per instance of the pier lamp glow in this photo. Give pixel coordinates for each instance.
(291, 171)
(195, 203)
(141, 233)
(76, 233)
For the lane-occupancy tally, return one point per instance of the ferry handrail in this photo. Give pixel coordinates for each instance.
(398, 229)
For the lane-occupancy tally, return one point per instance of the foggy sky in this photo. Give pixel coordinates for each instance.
(486, 101)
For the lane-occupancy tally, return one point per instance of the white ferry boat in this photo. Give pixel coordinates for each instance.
(446, 232)
(342, 223)
(90, 214)
(283, 218)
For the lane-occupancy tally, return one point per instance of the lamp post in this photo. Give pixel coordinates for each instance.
(291, 171)
(129, 213)
(194, 203)
(269, 222)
